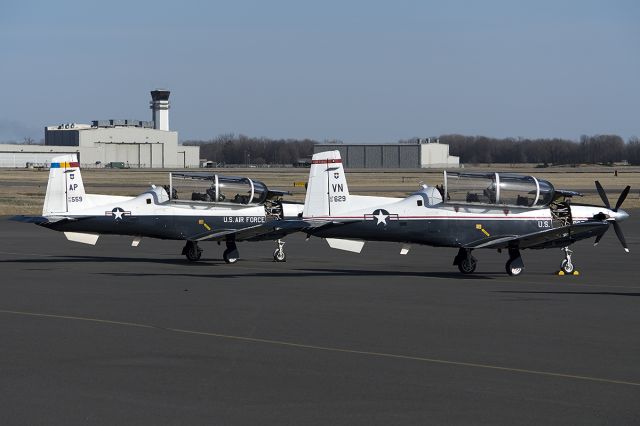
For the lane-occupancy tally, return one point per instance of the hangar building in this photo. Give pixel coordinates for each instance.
(423, 154)
(130, 143)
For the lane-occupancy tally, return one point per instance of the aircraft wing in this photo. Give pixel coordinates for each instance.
(556, 237)
(271, 230)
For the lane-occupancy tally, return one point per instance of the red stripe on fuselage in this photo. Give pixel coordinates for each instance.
(330, 161)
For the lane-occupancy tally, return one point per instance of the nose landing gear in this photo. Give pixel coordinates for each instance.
(279, 254)
(566, 266)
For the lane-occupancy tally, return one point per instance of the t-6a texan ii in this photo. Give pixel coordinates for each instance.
(194, 207)
(469, 211)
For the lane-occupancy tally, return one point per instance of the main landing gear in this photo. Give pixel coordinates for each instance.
(514, 265)
(192, 251)
(465, 261)
(231, 254)
(279, 254)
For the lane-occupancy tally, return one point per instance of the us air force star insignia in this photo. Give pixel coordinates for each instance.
(117, 213)
(381, 216)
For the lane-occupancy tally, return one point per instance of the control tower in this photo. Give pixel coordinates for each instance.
(160, 106)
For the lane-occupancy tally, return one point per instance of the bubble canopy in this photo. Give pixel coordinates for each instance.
(497, 188)
(218, 188)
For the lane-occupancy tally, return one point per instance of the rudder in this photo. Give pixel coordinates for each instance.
(65, 189)
(327, 190)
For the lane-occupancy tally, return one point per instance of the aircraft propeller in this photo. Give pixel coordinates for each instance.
(622, 216)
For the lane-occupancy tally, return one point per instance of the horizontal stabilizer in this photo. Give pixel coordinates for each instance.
(30, 219)
(81, 237)
(347, 245)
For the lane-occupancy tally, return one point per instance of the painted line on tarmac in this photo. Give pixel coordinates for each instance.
(329, 348)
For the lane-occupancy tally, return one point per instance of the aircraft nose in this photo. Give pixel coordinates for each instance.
(620, 215)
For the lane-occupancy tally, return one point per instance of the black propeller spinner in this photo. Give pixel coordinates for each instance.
(616, 226)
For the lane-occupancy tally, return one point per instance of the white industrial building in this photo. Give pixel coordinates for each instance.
(131, 143)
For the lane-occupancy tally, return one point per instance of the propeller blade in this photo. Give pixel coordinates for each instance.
(598, 238)
(618, 230)
(622, 197)
(603, 195)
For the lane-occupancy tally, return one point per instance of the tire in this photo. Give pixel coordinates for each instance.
(194, 254)
(279, 256)
(567, 267)
(228, 259)
(512, 270)
(467, 265)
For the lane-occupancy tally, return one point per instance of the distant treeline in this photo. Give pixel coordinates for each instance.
(605, 149)
(232, 149)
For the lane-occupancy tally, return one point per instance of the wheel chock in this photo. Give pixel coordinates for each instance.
(562, 273)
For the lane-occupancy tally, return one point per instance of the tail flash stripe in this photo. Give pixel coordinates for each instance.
(66, 165)
(329, 161)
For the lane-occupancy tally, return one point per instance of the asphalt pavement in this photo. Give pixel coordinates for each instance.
(114, 334)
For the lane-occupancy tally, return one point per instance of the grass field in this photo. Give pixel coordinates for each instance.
(22, 190)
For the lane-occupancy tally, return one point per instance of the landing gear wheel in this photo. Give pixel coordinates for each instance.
(227, 257)
(513, 270)
(231, 254)
(567, 267)
(279, 254)
(467, 265)
(192, 251)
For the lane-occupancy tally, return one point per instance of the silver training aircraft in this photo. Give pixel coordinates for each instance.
(469, 211)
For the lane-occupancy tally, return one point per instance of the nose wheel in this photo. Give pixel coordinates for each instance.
(279, 255)
(566, 266)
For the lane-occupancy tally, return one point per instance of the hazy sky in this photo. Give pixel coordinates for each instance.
(359, 71)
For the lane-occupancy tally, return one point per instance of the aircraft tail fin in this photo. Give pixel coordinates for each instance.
(65, 190)
(327, 190)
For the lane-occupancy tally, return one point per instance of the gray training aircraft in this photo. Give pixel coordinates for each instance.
(217, 208)
(469, 211)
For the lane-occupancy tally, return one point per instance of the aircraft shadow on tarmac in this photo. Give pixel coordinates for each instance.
(92, 259)
(305, 273)
(586, 293)
(302, 272)
(237, 271)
